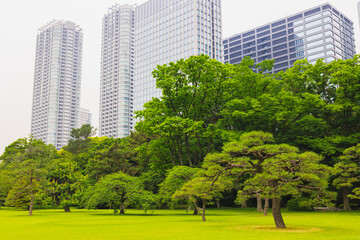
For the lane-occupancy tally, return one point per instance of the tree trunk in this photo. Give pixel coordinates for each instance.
(31, 194)
(276, 210)
(259, 204)
(203, 211)
(188, 151)
(266, 206)
(31, 204)
(180, 152)
(346, 199)
(218, 204)
(122, 208)
(196, 212)
(67, 208)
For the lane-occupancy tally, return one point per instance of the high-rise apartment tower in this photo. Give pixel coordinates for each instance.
(56, 92)
(319, 32)
(168, 30)
(154, 33)
(117, 72)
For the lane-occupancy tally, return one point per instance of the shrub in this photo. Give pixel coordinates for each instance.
(299, 204)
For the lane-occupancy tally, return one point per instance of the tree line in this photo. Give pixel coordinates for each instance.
(220, 134)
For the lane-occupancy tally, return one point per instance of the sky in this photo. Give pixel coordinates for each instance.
(20, 20)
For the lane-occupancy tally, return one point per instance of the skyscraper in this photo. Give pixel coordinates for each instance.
(117, 72)
(56, 92)
(84, 117)
(319, 32)
(154, 33)
(168, 30)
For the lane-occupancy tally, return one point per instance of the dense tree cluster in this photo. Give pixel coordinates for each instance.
(217, 129)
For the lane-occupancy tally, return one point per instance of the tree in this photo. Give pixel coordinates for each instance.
(67, 182)
(25, 162)
(201, 189)
(79, 139)
(312, 106)
(175, 180)
(184, 118)
(111, 155)
(280, 170)
(273, 170)
(348, 174)
(118, 190)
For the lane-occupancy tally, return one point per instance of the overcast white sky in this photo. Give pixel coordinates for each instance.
(19, 21)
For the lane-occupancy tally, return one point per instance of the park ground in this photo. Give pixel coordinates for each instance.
(225, 223)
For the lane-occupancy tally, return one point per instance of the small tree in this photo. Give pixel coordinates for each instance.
(348, 174)
(24, 162)
(175, 179)
(118, 190)
(68, 183)
(201, 189)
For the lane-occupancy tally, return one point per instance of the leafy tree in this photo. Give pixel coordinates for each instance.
(201, 189)
(274, 171)
(184, 118)
(280, 170)
(25, 162)
(175, 179)
(348, 174)
(67, 182)
(118, 190)
(111, 155)
(80, 139)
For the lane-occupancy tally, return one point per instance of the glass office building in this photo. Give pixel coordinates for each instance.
(57, 78)
(136, 39)
(168, 30)
(320, 32)
(117, 72)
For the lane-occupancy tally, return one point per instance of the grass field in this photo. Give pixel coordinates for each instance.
(168, 224)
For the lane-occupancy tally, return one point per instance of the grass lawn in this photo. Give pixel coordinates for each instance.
(226, 224)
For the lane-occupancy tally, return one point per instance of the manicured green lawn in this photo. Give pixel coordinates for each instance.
(167, 224)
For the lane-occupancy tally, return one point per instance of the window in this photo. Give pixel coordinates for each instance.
(311, 51)
(280, 34)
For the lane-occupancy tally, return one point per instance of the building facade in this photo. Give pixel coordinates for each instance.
(320, 32)
(117, 72)
(57, 78)
(84, 117)
(168, 30)
(154, 33)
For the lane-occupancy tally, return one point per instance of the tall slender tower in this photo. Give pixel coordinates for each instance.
(136, 39)
(168, 30)
(117, 71)
(56, 93)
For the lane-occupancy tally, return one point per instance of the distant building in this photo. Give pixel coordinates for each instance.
(84, 117)
(56, 92)
(138, 38)
(117, 72)
(320, 32)
(168, 30)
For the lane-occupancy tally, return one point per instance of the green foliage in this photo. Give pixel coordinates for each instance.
(79, 141)
(117, 191)
(175, 179)
(66, 181)
(24, 164)
(348, 172)
(299, 205)
(193, 94)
